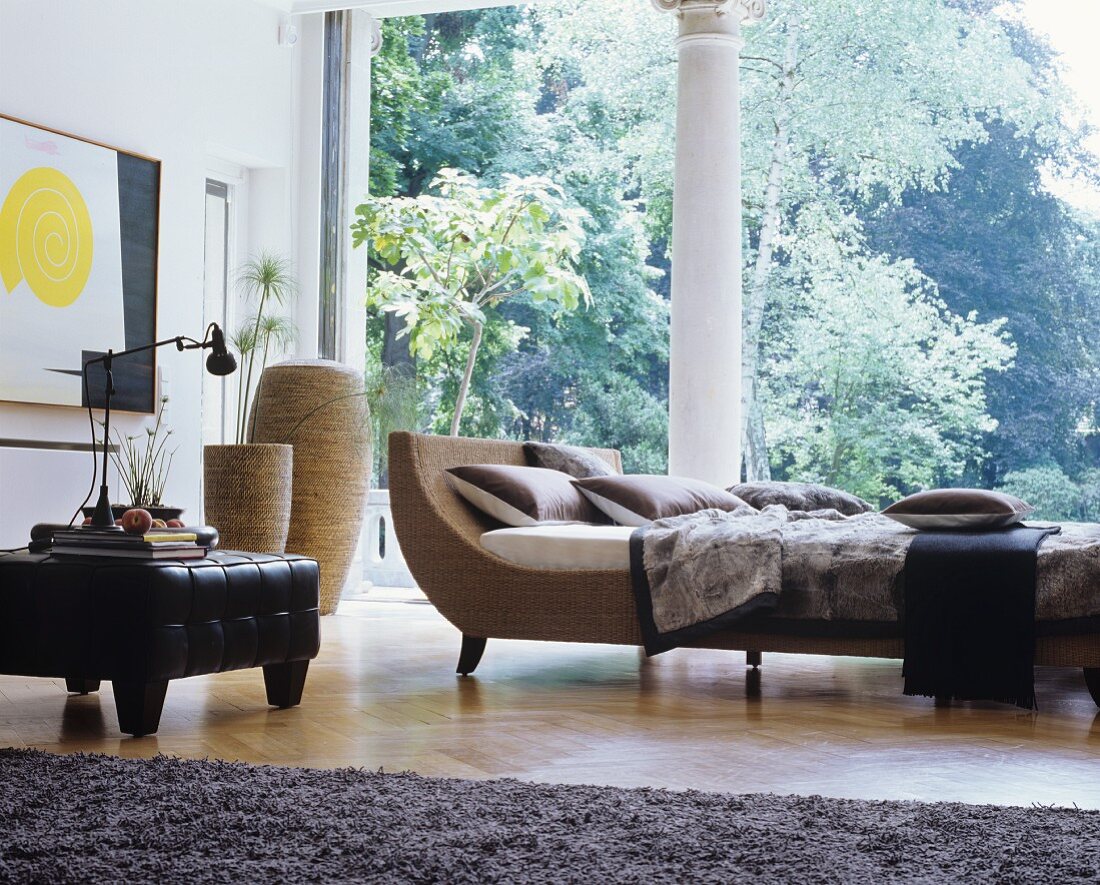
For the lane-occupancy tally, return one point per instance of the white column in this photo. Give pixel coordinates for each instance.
(705, 349)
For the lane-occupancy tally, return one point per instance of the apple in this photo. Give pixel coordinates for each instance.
(175, 524)
(118, 521)
(137, 521)
(159, 524)
(87, 520)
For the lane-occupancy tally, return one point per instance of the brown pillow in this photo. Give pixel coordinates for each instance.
(806, 496)
(958, 509)
(575, 461)
(638, 499)
(522, 496)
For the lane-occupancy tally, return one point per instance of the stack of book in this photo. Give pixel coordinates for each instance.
(154, 544)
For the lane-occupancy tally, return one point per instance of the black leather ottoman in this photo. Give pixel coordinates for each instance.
(140, 624)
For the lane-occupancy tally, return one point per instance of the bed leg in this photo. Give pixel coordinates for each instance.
(472, 650)
(752, 659)
(1092, 680)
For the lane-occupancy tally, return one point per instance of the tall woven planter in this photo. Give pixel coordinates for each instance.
(246, 489)
(317, 407)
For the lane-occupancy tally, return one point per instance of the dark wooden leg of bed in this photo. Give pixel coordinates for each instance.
(752, 659)
(1092, 680)
(472, 650)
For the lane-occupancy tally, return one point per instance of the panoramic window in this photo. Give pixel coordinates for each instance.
(920, 252)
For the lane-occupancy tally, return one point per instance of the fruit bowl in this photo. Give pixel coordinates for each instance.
(165, 513)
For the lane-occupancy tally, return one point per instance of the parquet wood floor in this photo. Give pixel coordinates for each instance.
(383, 694)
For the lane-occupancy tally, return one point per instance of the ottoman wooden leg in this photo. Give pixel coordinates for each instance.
(81, 686)
(139, 705)
(753, 659)
(285, 682)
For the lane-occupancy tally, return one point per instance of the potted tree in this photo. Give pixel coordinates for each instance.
(247, 485)
(449, 258)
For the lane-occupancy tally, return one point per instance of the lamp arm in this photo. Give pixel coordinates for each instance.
(191, 344)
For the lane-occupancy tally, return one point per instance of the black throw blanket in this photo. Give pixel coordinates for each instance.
(970, 615)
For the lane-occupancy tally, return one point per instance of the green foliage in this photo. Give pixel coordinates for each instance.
(449, 257)
(997, 242)
(401, 94)
(874, 386)
(443, 93)
(459, 253)
(619, 410)
(925, 305)
(1047, 488)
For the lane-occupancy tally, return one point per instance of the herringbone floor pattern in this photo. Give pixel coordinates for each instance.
(383, 694)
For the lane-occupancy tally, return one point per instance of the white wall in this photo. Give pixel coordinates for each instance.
(183, 81)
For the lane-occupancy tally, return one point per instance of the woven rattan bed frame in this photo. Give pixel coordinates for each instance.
(487, 597)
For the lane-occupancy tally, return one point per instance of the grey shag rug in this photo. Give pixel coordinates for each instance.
(99, 818)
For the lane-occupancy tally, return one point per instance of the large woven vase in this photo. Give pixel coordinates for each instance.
(317, 407)
(246, 490)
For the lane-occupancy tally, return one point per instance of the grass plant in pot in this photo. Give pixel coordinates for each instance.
(247, 485)
(143, 461)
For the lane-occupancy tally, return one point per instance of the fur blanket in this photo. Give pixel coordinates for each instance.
(696, 574)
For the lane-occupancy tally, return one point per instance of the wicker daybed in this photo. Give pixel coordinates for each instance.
(487, 597)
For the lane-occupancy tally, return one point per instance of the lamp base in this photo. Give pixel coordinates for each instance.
(104, 518)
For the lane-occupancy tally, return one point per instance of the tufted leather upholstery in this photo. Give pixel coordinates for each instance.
(142, 622)
(168, 619)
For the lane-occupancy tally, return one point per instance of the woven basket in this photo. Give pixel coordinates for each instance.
(317, 407)
(247, 494)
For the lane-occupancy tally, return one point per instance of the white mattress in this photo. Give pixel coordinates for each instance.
(563, 546)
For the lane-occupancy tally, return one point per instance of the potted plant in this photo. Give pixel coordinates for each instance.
(143, 462)
(247, 485)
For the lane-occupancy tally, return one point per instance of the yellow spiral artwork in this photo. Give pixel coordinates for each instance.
(46, 237)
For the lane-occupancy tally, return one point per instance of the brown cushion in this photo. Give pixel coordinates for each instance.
(638, 499)
(575, 461)
(806, 496)
(522, 496)
(958, 509)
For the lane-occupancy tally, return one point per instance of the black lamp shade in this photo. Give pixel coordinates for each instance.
(221, 363)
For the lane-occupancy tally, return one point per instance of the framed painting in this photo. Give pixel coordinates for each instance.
(79, 225)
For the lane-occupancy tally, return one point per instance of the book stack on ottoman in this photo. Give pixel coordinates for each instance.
(154, 544)
(139, 621)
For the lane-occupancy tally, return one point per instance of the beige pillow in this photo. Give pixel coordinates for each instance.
(958, 509)
(522, 496)
(639, 498)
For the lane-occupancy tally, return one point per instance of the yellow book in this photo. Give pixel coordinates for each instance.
(156, 535)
